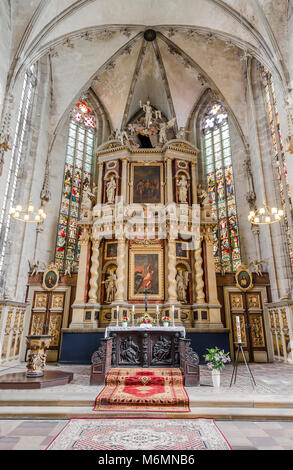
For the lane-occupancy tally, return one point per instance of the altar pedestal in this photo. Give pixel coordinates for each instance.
(145, 347)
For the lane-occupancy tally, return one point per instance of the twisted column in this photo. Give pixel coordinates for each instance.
(172, 285)
(93, 292)
(199, 284)
(119, 296)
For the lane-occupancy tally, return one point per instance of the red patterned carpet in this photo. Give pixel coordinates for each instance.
(136, 389)
(140, 434)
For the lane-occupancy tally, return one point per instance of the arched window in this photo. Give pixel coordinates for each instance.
(78, 176)
(218, 169)
(279, 155)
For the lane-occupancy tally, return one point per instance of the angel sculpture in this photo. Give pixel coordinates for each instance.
(202, 195)
(124, 138)
(182, 283)
(224, 266)
(86, 203)
(257, 266)
(36, 267)
(181, 133)
(163, 130)
(69, 268)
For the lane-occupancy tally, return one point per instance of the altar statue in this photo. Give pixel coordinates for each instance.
(110, 285)
(182, 283)
(148, 113)
(111, 190)
(163, 130)
(182, 185)
(86, 204)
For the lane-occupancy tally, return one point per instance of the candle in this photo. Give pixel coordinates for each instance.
(173, 315)
(238, 330)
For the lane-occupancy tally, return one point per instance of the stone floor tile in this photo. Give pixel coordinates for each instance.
(8, 443)
(270, 448)
(8, 425)
(262, 441)
(243, 448)
(29, 443)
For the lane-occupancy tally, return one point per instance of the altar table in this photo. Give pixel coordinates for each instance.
(145, 347)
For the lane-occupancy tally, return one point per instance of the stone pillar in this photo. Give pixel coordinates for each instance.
(169, 180)
(193, 183)
(211, 270)
(93, 292)
(124, 180)
(172, 286)
(121, 263)
(100, 183)
(82, 269)
(199, 284)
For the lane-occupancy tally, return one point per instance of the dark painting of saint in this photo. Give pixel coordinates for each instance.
(50, 279)
(111, 250)
(147, 185)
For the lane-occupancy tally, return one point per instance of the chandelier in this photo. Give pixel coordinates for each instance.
(28, 214)
(265, 215)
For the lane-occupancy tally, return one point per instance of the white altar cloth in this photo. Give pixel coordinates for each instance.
(179, 329)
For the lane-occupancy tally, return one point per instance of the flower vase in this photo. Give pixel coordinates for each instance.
(124, 324)
(142, 325)
(165, 324)
(216, 377)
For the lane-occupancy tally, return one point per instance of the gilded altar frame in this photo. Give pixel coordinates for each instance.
(144, 250)
(147, 165)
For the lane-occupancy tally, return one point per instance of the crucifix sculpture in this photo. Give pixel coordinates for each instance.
(146, 292)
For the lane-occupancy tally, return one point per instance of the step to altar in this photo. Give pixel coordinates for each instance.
(223, 413)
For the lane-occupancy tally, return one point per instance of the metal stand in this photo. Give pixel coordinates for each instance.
(235, 367)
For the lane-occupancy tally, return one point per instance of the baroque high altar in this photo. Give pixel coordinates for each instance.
(146, 226)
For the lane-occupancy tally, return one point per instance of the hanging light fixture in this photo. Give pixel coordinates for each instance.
(265, 215)
(28, 214)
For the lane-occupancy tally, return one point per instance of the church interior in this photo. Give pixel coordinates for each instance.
(146, 225)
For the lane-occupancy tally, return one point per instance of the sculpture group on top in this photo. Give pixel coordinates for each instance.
(151, 125)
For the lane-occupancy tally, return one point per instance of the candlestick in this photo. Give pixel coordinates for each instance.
(117, 315)
(157, 312)
(133, 314)
(173, 314)
(238, 330)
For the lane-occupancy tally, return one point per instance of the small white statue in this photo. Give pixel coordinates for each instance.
(163, 130)
(124, 139)
(111, 190)
(257, 266)
(148, 113)
(69, 267)
(86, 204)
(181, 133)
(36, 267)
(182, 283)
(182, 185)
(110, 284)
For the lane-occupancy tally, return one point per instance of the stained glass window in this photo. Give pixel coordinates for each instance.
(278, 153)
(219, 172)
(77, 178)
(17, 153)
